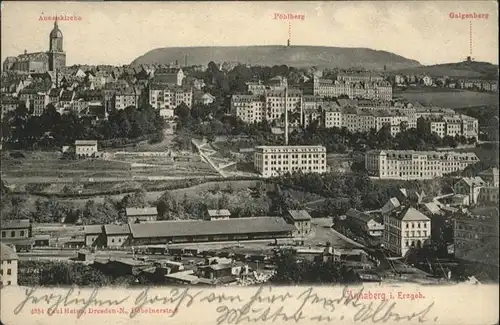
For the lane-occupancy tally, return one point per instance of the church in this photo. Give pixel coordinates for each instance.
(52, 60)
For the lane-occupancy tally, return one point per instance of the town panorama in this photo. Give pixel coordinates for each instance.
(231, 173)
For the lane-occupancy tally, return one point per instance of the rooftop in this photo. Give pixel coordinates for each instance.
(116, 230)
(15, 224)
(7, 253)
(86, 143)
(473, 181)
(92, 229)
(141, 211)
(218, 213)
(216, 227)
(299, 215)
(353, 213)
(409, 214)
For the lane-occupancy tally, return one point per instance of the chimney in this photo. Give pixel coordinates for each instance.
(286, 115)
(185, 60)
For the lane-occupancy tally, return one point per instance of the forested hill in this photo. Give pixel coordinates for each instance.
(296, 56)
(465, 69)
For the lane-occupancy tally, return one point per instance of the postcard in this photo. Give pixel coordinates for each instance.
(231, 163)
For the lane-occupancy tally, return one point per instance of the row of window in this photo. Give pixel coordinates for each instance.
(13, 233)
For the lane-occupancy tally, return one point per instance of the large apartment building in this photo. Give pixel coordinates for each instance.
(409, 164)
(357, 77)
(404, 229)
(270, 105)
(272, 161)
(166, 97)
(450, 125)
(354, 89)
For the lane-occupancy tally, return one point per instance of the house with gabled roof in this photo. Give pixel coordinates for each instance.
(367, 223)
(301, 220)
(406, 228)
(470, 186)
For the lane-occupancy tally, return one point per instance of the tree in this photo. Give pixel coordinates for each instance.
(182, 112)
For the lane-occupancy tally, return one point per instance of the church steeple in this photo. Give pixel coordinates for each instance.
(56, 39)
(56, 55)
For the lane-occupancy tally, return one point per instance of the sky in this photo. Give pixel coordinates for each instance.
(116, 33)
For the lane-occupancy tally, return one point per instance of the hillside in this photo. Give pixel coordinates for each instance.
(296, 56)
(465, 69)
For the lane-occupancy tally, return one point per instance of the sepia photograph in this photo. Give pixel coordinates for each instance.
(301, 162)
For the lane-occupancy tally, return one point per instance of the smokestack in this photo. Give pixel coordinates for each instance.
(185, 60)
(286, 115)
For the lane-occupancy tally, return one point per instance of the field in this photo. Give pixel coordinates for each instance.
(48, 167)
(450, 99)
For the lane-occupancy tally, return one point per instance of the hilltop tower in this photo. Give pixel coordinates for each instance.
(56, 54)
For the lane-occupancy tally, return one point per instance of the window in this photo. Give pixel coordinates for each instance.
(4, 234)
(9, 283)
(22, 233)
(12, 234)
(1, 272)
(9, 271)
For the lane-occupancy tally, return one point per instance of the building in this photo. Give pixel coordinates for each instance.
(404, 229)
(427, 81)
(445, 123)
(434, 124)
(471, 187)
(222, 214)
(93, 236)
(353, 77)
(161, 232)
(52, 60)
(8, 266)
(9, 104)
(170, 76)
(36, 98)
(117, 235)
(128, 97)
(490, 176)
(15, 230)
(207, 99)
(377, 89)
(278, 160)
(409, 164)
(276, 100)
(269, 105)
(365, 222)
(166, 98)
(390, 206)
(474, 229)
(135, 215)
(249, 108)
(301, 220)
(85, 148)
(488, 195)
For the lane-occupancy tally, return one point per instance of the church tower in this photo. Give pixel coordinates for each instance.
(57, 57)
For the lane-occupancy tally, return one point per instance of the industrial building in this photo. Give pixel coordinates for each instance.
(192, 231)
